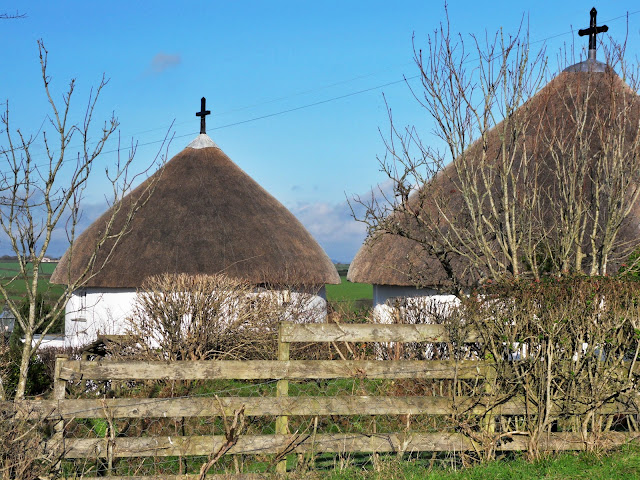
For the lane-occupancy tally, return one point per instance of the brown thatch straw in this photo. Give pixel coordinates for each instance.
(205, 216)
(387, 259)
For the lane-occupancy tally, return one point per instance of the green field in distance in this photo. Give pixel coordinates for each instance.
(344, 292)
(17, 288)
(349, 291)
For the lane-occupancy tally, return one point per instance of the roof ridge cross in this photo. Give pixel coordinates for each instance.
(592, 31)
(202, 114)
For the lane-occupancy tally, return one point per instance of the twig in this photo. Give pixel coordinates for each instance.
(232, 433)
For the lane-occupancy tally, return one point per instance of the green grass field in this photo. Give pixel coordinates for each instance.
(11, 268)
(17, 288)
(623, 464)
(349, 291)
(349, 296)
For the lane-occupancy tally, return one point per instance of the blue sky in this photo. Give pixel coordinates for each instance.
(255, 59)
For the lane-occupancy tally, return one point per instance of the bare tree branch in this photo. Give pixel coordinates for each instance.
(514, 181)
(12, 16)
(35, 200)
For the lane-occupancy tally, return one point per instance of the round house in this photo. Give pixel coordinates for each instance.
(585, 114)
(199, 214)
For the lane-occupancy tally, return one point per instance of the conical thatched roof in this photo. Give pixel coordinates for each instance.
(205, 216)
(389, 259)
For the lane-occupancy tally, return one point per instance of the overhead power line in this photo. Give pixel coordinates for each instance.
(321, 102)
(342, 82)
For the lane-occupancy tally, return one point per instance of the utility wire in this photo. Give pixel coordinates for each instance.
(321, 102)
(341, 82)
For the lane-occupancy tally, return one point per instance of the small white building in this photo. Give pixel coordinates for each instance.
(400, 268)
(401, 292)
(205, 216)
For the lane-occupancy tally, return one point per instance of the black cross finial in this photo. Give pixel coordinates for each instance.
(202, 114)
(592, 31)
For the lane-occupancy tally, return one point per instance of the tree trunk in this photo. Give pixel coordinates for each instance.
(24, 365)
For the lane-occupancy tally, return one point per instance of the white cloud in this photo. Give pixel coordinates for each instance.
(59, 238)
(333, 225)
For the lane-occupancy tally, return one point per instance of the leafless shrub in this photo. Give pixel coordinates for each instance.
(197, 317)
(566, 348)
(25, 453)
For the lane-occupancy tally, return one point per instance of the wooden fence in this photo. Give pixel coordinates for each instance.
(283, 406)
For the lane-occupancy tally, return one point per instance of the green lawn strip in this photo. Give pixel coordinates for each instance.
(11, 268)
(621, 464)
(349, 291)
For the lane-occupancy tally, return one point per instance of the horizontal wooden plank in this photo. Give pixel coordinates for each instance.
(332, 443)
(76, 370)
(277, 406)
(260, 406)
(366, 332)
(263, 444)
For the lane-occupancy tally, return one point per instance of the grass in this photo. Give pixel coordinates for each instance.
(17, 287)
(617, 465)
(11, 268)
(348, 291)
(350, 297)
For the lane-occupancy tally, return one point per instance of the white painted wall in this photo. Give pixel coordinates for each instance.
(93, 311)
(387, 299)
(408, 305)
(50, 340)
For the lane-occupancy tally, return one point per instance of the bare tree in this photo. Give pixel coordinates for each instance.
(524, 184)
(38, 198)
(566, 348)
(12, 16)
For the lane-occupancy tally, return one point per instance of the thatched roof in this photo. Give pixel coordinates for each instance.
(205, 216)
(389, 259)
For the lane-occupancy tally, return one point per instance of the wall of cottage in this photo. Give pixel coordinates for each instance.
(94, 311)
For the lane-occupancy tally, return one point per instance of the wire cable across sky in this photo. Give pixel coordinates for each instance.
(304, 106)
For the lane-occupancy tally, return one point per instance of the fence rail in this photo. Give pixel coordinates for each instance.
(270, 369)
(70, 409)
(366, 332)
(110, 445)
(336, 443)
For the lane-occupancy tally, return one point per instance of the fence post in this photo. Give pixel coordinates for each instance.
(59, 390)
(282, 422)
(491, 376)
